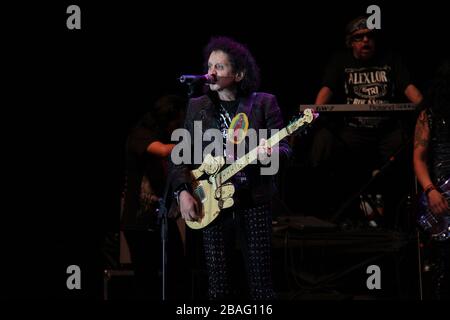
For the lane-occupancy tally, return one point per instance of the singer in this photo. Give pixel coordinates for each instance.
(233, 92)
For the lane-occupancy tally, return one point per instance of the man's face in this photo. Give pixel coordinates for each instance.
(219, 65)
(363, 44)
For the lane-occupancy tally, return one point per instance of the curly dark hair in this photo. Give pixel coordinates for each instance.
(241, 61)
(438, 94)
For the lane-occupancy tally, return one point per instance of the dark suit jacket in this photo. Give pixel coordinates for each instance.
(265, 114)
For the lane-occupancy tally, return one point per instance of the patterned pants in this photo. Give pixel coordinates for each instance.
(253, 229)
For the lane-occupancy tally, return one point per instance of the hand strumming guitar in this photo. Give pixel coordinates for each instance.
(188, 206)
(437, 202)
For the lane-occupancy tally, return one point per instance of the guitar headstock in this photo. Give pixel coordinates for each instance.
(307, 118)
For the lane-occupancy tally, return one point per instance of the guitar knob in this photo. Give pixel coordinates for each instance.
(225, 203)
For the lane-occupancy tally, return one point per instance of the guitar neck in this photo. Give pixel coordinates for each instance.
(250, 157)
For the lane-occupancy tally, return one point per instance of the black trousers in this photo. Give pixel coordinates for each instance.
(252, 228)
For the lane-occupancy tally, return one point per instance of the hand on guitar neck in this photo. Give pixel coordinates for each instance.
(264, 150)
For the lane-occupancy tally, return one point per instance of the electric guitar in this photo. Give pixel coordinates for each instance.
(210, 185)
(438, 226)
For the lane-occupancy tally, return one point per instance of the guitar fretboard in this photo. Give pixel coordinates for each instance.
(250, 157)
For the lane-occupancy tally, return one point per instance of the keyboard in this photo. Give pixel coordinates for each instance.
(385, 107)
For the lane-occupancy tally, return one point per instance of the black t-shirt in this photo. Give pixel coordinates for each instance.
(145, 180)
(226, 112)
(382, 79)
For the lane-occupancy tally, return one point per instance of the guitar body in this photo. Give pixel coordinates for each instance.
(210, 198)
(438, 226)
(210, 186)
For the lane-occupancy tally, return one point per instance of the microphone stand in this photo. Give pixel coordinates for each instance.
(162, 217)
(191, 90)
(190, 85)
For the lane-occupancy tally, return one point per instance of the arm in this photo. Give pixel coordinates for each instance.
(333, 79)
(324, 96)
(421, 140)
(404, 82)
(180, 173)
(181, 177)
(160, 149)
(437, 202)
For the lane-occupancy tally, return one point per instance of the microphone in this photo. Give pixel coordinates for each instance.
(205, 78)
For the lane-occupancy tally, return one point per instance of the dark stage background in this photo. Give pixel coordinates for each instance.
(77, 93)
